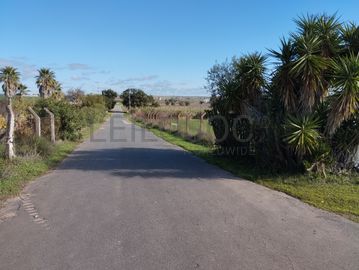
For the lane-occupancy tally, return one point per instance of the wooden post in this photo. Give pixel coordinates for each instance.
(201, 122)
(187, 116)
(52, 125)
(178, 121)
(37, 122)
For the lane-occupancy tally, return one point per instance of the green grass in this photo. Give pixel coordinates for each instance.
(336, 193)
(194, 126)
(15, 174)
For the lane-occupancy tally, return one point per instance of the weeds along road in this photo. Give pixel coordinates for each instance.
(129, 200)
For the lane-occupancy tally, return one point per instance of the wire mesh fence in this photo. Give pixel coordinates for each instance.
(189, 125)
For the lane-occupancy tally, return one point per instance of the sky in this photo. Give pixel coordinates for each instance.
(164, 47)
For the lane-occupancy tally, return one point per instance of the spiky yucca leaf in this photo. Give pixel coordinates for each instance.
(309, 69)
(282, 78)
(345, 101)
(302, 134)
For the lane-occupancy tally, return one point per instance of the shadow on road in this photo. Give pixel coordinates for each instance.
(143, 162)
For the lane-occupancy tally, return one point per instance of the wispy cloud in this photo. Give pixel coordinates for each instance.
(79, 78)
(78, 66)
(133, 80)
(26, 70)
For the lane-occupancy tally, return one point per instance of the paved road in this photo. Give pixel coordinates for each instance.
(145, 204)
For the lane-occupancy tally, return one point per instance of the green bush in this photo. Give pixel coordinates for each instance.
(71, 118)
(109, 97)
(67, 117)
(92, 115)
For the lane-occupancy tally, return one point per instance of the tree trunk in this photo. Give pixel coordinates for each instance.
(10, 129)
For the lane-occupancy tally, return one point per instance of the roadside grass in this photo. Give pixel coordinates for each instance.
(194, 126)
(336, 193)
(15, 174)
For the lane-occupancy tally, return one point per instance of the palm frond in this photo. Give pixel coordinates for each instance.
(345, 101)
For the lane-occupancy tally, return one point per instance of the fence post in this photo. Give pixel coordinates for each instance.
(187, 116)
(37, 122)
(178, 121)
(201, 122)
(52, 125)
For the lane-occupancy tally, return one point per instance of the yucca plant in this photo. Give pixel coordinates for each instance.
(309, 68)
(350, 36)
(328, 32)
(302, 134)
(282, 79)
(345, 82)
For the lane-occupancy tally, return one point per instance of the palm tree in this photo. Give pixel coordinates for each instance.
(46, 82)
(282, 78)
(309, 68)
(328, 32)
(58, 94)
(306, 25)
(249, 81)
(350, 37)
(345, 101)
(10, 79)
(22, 90)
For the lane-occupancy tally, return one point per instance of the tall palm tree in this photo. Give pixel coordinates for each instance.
(250, 80)
(345, 101)
(309, 68)
(46, 82)
(11, 80)
(282, 78)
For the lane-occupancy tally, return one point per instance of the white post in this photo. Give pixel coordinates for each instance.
(37, 122)
(52, 125)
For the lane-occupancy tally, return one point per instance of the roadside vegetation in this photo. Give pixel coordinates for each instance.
(23, 154)
(294, 128)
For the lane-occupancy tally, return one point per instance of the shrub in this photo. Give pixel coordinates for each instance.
(67, 118)
(32, 146)
(109, 96)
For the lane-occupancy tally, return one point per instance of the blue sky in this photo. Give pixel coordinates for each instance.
(164, 47)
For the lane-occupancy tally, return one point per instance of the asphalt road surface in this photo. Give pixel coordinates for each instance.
(128, 200)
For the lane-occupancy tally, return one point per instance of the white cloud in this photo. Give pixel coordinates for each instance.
(26, 70)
